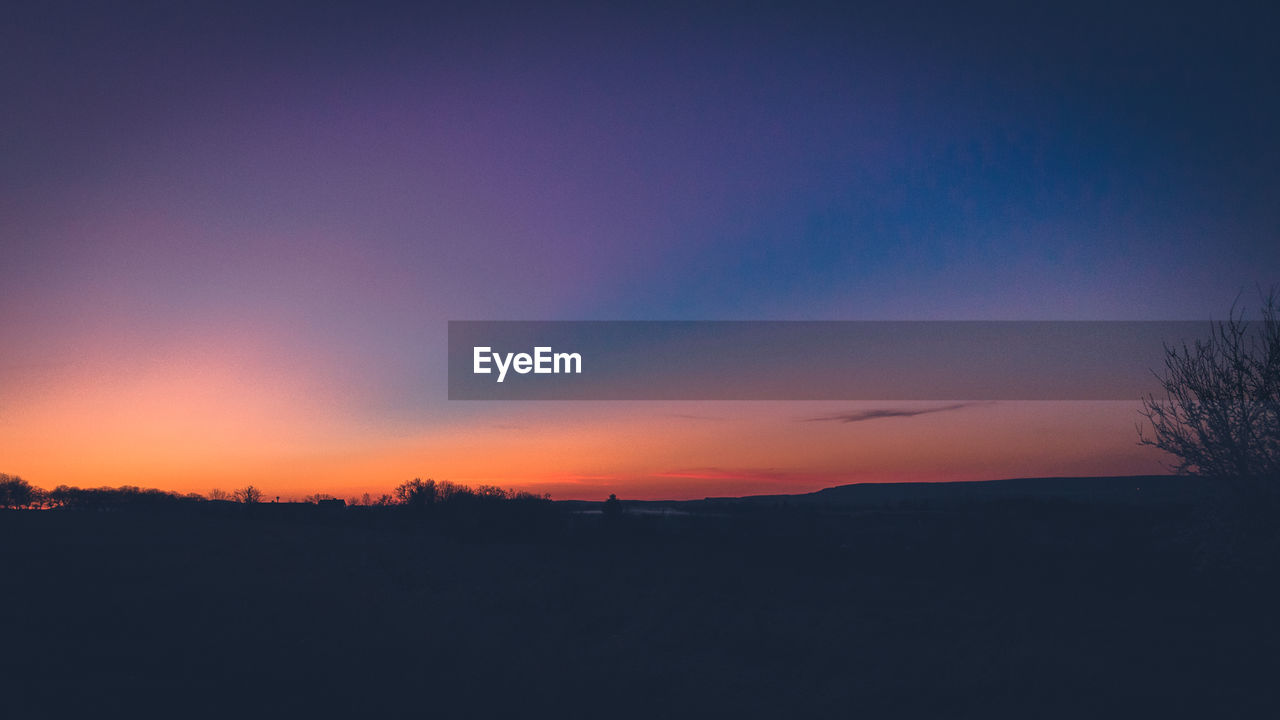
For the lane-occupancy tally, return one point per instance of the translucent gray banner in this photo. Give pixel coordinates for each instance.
(820, 360)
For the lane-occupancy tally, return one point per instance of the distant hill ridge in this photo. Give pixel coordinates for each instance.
(1121, 488)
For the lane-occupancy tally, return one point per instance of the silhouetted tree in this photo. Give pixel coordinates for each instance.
(18, 493)
(248, 495)
(491, 492)
(448, 492)
(612, 506)
(1220, 414)
(417, 494)
(217, 494)
(63, 496)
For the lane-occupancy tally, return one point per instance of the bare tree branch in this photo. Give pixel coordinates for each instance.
(1220, 411)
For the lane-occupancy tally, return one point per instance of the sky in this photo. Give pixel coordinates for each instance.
(232, 234)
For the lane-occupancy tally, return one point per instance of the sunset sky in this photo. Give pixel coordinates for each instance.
(232, 234)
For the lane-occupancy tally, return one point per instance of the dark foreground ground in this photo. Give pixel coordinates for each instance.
(961, 608)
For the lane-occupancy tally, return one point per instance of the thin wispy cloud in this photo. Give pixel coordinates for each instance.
(881, 413)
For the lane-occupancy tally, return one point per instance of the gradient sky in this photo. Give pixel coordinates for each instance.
(231, 234)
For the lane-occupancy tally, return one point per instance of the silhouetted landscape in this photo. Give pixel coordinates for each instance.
(1046, 597)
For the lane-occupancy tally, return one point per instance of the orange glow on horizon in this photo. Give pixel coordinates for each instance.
(199, 416)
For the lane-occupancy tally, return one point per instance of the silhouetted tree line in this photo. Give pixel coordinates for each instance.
(417, 494)
(16, 493)
(427, 494)
(484, 511)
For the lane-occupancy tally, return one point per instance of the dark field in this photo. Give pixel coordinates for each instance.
(967, 607)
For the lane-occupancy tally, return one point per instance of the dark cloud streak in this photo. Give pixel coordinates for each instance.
(882, 413)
